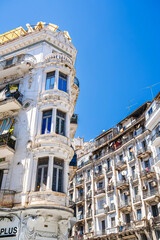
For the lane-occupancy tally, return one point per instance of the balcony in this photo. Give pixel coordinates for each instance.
(16, 66)
(59, 58)
(143, 223)
(110, 187)
(125, 205)
(136, 198)
(156, 138)
(80, 217)
(157, 160)
(7, 145)
(76, 82)
(100, 211)
(7, 198)
(80, 198)
(154, 115)
(89, 214)
(134, 177)
(71, 203)
(143, 152)
(10, 101)
(79, 182)
(156, 220)
(120, 165)
(110, 208)
(99, 174)
(73, 125)
(100, 190)
(122, 184)
(151, 194)
(147, 173)
(101, 232)
(112, 230)
(126, 227)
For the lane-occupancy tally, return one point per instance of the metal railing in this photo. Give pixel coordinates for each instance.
(122, 182)
(120, 164)
(99, 211)
(137, 198)
(100, 190)
(76, 81)
(74, 118)
(125, 203)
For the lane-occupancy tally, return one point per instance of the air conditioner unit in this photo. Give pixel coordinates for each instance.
(145, 188)
(153, 184)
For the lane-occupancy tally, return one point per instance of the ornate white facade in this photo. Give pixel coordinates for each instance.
(38, 93)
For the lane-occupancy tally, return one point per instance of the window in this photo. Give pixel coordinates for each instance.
(62, 84)
(150, 111)
(60, 123)
(139, 214)
(50, 80)
(1, 178)
(146, 165)
(113, 222)
(42, 172)
(2, 160)
(130, 152)
(100, 185)
(57, 184)
(99, 168)
(133, 171)
(109, 136)
(46, 122)
(88, 174)
(9, 62)
(103, 225)
(89, 227)
(127, 217)
(155, 211)
(136, 190)
(121, 157)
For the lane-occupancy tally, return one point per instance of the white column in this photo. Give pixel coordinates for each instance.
(34, 174)
(39, 122)
(56, 79)
(53, 124)
(69, 84)
(4, 180)
(67, 125)
(65, 176)
(50, 173)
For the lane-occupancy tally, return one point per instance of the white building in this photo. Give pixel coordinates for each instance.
(38, 93)
(116, 187)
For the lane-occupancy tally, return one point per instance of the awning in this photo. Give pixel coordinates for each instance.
(5, 125)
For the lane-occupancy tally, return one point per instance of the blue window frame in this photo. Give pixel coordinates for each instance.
(62, 84)
(139, 214)
(60, 123)
(50, 80)
(46, 122)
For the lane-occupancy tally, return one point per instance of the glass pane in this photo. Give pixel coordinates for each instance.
(62, 127)
(60, 84)
(49, 125)
(57, 125)
(54, 179)
(64, 86)
(1, 178)
(43, 125)
(42, 161)
(38, 179)
(52, 83)
(45, 176)
(47, 113)
(60, 181)
(47, 84)
(60, 114)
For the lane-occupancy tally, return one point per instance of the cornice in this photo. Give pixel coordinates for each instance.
(57, 39)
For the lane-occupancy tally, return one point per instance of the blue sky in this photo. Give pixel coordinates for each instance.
(118, 43)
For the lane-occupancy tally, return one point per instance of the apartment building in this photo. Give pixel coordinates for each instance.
(38, 93)
(116, 187)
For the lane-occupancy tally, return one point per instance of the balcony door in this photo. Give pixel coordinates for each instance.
(42, 173)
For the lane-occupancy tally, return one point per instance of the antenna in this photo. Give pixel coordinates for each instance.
(129, 107)
(151, 86)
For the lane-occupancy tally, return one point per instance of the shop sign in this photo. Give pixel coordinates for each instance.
(9, 226)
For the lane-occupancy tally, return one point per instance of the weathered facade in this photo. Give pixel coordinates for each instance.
(116, 187)
(38, 93)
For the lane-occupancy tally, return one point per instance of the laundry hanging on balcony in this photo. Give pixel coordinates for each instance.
(3, 94)
(5, 125)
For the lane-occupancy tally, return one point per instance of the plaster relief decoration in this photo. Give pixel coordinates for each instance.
(28, 228)
(63, 227)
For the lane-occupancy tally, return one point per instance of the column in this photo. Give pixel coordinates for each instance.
(53, 123)
(34, 174)
(67, 125)
(4, 180)
(39, 122)
(50, 173)
(56, 79)
(65, 177)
